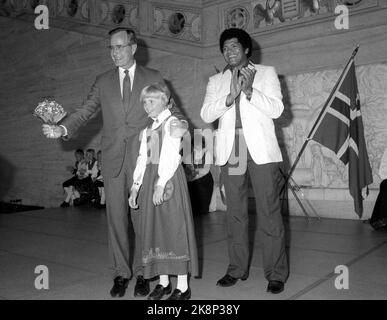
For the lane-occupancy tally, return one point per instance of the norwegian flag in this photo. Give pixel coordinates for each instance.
(341, 130)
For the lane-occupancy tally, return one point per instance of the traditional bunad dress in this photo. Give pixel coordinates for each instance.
(167, 231)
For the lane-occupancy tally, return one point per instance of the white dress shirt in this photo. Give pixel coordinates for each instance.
(169, 159)
(93, 172)
(132, 70)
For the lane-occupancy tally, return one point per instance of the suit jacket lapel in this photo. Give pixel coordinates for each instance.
(138, 85)
(116, 90)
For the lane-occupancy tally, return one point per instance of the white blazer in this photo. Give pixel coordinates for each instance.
(256, 115)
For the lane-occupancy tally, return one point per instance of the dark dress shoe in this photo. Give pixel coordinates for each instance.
(275, 286)
(65, 204)
(119, 287)
(228, 281)
(159, 291)
(178, 295)
(141, 289)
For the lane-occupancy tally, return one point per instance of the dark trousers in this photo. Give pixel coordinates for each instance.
(200, 192)
(265, 180)
(70, 182)
(117, 211)
(379, 214)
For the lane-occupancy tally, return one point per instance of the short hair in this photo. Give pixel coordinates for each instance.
(79, 151)
(130, 32)
(156, 88)
(90, 151)
(242, 36)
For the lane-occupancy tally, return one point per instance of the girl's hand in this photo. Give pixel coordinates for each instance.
(133, 199)
(158, 195)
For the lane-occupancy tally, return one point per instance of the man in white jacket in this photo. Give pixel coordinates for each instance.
(246, 97)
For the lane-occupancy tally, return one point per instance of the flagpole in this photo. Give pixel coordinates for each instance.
(320, 115)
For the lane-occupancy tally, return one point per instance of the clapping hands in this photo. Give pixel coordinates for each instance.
(247, 75)
(242, 80)
(235, 88)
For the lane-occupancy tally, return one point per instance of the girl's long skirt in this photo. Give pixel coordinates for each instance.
(167, 230)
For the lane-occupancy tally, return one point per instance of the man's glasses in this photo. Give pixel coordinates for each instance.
(118, 47)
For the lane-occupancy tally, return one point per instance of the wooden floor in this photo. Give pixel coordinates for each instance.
(72, 244)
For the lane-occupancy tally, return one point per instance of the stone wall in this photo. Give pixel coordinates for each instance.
(180, 38)
(61, 64)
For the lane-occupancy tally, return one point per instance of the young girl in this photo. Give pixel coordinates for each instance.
(167, 230)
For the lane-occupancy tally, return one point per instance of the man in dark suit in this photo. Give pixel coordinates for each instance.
(116, 94)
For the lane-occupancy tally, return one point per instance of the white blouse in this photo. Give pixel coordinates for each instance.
(169, 156)
(94, 170)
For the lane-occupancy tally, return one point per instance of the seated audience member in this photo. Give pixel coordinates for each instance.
(91, 161)
(98, 183)
(84, 185)
(379, 215)
(69, 184)
(199, 178)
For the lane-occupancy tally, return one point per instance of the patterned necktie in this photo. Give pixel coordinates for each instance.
(126, 90)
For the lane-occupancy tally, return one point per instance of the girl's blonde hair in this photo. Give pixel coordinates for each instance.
(156, 89)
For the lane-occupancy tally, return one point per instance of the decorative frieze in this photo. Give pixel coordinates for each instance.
(259, 14)
(179, 23)
(15, 7)
(236, 17)
(180, 20)
(117, 13)
(75, 9)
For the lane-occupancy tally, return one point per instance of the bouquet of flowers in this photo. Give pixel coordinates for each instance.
(49, 111)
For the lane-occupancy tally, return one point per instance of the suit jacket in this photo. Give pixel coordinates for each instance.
(120, 129)
(256, 115)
